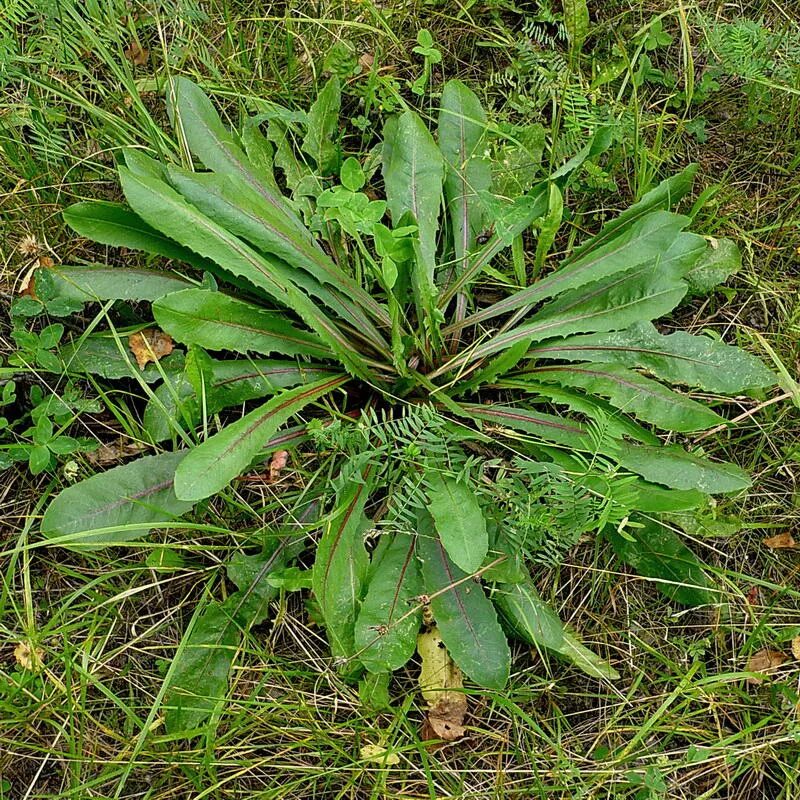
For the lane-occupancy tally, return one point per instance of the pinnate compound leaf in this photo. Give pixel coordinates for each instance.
(388, 622)
(533, 621)
(655, 551)
(135, 496)
(213, 464)
(219, 322)
(340, 568)
(679, 357)
(464, 615)
(458, 520)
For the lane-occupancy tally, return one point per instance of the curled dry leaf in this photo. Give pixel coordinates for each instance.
(149, 345)
(137, 54)
(277, 463)
(780, 541)
(764, 661)
(114, 453)
(442, 686)
(28, 657)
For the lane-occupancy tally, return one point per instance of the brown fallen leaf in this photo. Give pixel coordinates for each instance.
(442, 686)
(114, 452)
(137, 54)
(149, 345)
(365, 61)
(277, 463)
(780, 541)
(28, 657)
(796, 647)
(765, 661)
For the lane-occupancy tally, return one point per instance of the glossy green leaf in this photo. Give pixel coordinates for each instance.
(465, 617)
(657, 552)
(340, 568)
(220, 322)
(533, 621)
(389, 619)
(677, 357)
(458, 520)
(634, 394)
(213, 464)
(131, 498)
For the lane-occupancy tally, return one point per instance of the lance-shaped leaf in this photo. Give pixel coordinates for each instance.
(340, 567)
(635, 394)
(663, 197)
(196, 120)
(199, 678)
(655, 551)
(217, 321)
(390, 616)
(465, 616)
(458, 520)
(111, 358)
(131, 499)
(322, 125)
(678, 357)
(655, 239)
(645, 293)
(462, 127)
(210, 466)
(163, 208)
(412, 174)
(672, 466)
(532, 620)
(246, 214)
(116, 225)
(233, 383)
(97, 283)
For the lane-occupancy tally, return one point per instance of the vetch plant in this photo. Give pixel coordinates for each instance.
(473, 424)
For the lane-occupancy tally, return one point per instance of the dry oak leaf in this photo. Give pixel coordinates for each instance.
(149, 345)
(780, 541)
(764, 661)
(28, 657)
(442, 686)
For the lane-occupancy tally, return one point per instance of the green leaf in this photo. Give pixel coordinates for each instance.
(548, 229)
(196, 120)
(721, 259)
(133, 497)
(107, 357)
(663, 197)
(219, 322)
(412, 174)
(518, 159)
(576, 23)
(465, 617)
(210, 466)
(117, 226)
(233, 383)
(656, 240)
(533, 621)
(351, 175)
(678, 357)
(98, 283)
(634, 394)
(462, 130)
(321, 127)
(458, 520)
(388, 622)
(340, 567)
(672, 466)
(655, 551)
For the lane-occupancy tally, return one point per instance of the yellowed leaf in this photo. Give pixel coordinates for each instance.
(375, 752)
(764, 661)
(442, 686)
(796, 647)
(28, 657)
(780, 541)
(149, 345)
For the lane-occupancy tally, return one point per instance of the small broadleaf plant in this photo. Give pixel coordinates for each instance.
(364, 307)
